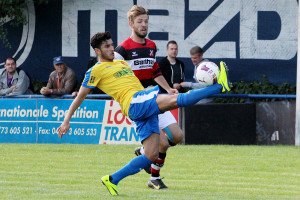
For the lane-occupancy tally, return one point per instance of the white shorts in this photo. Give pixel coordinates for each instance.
(165, 119)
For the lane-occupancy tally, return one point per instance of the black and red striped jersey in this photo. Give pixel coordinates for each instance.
(141, 58)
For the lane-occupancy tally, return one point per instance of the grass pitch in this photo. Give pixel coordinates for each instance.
(30, 171)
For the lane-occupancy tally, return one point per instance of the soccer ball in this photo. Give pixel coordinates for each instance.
(207, 73)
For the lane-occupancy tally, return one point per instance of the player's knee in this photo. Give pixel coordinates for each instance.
(151, 155)
(164, 145)
(178, 137)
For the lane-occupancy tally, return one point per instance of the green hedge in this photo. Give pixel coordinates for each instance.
(262, 86)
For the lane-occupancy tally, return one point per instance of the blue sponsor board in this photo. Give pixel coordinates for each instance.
(90, 111)
(18, 132)
(18, 120)
(36, 121)
(78, 133)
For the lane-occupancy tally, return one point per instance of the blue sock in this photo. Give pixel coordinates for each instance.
(133, 167)
(193, 96)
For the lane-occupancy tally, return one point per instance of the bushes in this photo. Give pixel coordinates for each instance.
(263, 86)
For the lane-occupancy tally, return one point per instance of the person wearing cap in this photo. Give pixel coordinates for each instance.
(61, 81)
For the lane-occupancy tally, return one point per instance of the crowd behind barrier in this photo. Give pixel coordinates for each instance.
(104, 96)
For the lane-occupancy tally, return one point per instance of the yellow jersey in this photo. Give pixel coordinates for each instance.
(115, 79)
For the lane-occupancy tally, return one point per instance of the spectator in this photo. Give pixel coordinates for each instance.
(61, 81)
(13, 80)
(196, 53)
(172, 68)
(197, 57)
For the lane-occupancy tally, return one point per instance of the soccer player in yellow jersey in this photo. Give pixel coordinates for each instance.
(116, 78)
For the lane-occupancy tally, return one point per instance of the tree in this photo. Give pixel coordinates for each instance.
(11, 13)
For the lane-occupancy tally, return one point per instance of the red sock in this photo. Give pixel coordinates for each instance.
(159, 163)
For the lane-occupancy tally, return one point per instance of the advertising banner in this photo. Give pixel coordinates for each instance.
(18, 120)
(117, 128)
(37, 120)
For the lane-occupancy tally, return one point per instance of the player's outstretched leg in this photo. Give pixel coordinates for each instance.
(193, 96)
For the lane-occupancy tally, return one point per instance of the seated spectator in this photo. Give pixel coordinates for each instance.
(61, 81)
(13, 81)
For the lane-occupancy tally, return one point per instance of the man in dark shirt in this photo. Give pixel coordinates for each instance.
(172, 68)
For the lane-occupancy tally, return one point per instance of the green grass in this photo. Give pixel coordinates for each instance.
(191, 172)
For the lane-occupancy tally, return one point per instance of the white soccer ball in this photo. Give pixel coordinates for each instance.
(207, 73)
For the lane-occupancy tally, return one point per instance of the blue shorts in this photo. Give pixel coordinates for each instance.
(143, 110)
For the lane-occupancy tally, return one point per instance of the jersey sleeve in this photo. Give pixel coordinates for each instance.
(118, 56)
(120, 53)
(156, 70)
(90, 80)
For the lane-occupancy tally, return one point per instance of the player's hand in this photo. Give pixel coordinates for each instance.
(62, 129)
(172, 91)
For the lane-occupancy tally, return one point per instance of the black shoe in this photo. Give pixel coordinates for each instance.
(156, 184)
(137, 152)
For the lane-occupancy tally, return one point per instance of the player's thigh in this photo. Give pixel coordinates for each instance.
(166, 102)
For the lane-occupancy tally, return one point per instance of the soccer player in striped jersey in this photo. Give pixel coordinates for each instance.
(140, 53)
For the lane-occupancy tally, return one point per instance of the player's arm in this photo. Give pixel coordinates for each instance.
(160, 79)
(64, 127)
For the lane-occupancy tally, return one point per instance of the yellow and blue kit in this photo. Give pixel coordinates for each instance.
(118, 81)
